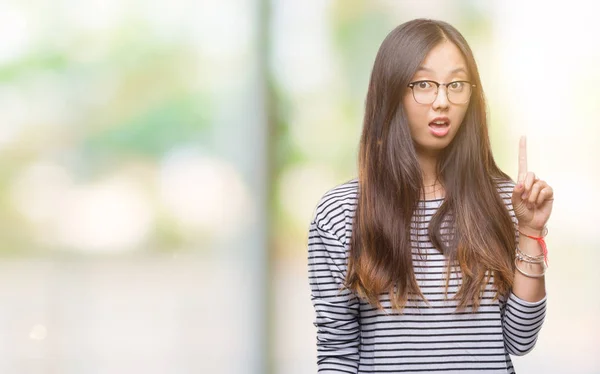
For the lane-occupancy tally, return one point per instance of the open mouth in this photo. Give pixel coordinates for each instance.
(439, 124)
(439, 127)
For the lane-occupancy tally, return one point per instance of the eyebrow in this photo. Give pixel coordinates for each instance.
(457, 70)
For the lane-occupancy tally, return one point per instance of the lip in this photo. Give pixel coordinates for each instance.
(445, 119)
(443, 131)
(440, 132)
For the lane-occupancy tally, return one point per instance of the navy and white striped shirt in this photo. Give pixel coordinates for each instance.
(355, 337)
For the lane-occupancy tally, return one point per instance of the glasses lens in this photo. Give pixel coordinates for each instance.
(424, 92)
(459, 92)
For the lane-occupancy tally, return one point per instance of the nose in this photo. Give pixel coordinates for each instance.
(441, 101)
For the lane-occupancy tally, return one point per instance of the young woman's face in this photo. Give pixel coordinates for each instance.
(443, 64)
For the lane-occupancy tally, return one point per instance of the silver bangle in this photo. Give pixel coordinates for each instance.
(528, 274)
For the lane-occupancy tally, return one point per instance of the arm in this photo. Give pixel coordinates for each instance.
(524, 311)
(338, 330)
(525, 308)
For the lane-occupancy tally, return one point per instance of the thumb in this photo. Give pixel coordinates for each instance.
(517, 192)
(519, 205)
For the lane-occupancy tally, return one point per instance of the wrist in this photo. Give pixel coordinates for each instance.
(531, 231)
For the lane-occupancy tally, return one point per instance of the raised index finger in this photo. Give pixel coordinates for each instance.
(522, 158)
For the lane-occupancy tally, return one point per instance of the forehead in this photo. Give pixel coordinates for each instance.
(443, 60)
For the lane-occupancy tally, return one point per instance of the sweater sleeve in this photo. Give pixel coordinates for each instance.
(336, 320)
(521, 324)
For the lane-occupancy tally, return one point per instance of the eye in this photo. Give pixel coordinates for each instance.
(456, 86)
(424, 85)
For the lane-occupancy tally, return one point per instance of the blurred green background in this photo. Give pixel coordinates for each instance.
(160, 162)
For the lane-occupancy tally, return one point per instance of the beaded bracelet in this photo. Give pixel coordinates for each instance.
(521, 256)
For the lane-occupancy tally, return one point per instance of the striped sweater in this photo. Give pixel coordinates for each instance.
(355, 337)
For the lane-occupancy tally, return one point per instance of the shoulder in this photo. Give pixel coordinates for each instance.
(505, 186)
(336, 208)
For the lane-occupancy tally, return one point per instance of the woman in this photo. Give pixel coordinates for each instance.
(432, 260)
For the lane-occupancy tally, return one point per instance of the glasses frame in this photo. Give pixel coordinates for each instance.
(437, 90)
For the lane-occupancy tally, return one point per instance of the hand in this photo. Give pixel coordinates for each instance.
(532, 198)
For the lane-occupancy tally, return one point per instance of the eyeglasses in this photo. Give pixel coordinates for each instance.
(425, 92)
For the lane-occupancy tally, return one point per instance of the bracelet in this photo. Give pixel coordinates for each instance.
(528, 274)
(544, 232)
(521, 256)
(540, 240)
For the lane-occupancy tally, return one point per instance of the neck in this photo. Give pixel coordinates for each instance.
(428, 165)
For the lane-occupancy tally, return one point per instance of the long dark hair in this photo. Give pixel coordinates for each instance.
(390, 183)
